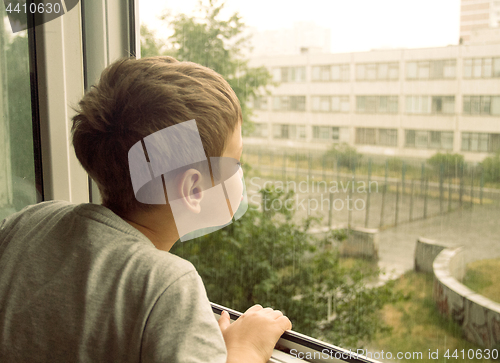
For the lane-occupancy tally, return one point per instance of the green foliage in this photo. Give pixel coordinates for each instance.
(345, 155)
(395, 164)
(217, 44)
(491, 168)
(152, 46)
(18, 97)
(266, 258)
(452, 164)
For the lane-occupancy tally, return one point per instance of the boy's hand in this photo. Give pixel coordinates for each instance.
(252, 337)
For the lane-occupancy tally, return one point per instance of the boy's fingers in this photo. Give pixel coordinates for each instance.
(284, 323)
(224, 321)
(256, 307)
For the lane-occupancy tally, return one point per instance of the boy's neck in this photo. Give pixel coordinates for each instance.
(157, 225)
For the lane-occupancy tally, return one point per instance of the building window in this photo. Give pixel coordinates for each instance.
(372, 136)
(481, 67)
(481, 142)
(481, 105)
(433, 69)
(326, 133)
(330, 103)
(429, 139)
(377, 104)
(430, 104)
(289, 74)
(289, 103)
(259, 103)
(377, 72)
(329, 73)
(291, 132)
(260, 130)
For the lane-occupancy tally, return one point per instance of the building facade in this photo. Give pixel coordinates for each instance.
(406, 103)
(477, 15)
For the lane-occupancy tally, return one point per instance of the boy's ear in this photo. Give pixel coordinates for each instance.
(190, 189)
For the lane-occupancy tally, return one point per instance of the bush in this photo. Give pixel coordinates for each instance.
(491, 168)
(451, 163)
(346, 156)
(395, 164)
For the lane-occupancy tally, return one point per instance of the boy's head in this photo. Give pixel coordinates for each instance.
(135, 98)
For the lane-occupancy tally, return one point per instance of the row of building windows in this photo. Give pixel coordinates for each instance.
(389, 71)
(419, 139)
(472, 105)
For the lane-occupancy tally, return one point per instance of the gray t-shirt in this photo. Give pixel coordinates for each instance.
(79, 284)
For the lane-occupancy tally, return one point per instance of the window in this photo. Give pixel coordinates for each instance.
(481, 105)
(259, 103)
(377, 104)
(326, 133)
(430, 104)
(289, 103)
(261, 130)
(434, 69)
(481, 67)
(372, 136)
(291, 132)
(429, 139)
(289, 74)
(335, 72)
(377, 71)
(19, 185)
(330, 103)
(480, 142)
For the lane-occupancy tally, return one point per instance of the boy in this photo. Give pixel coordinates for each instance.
(95, 283)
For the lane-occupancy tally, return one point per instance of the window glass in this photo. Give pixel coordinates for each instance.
(477, 68)
(421, 139)
(360, 71)
(18, 186)
(496, 67)
(495, 105)
(449, 69)
(411, 70)
(423, 70)
(467, 68)
(345, 104)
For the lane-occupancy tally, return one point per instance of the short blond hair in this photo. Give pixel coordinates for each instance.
(137, 97)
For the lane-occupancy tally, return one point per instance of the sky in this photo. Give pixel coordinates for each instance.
(356, 25)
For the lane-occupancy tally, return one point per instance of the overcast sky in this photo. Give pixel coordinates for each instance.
(356, 25)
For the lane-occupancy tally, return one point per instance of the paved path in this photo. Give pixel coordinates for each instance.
(478, 230)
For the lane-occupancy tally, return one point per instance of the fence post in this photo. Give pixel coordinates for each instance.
(296, 166)
(382, 207)
(422, 179)
(323, 165)
(403, 174)
(351, 191)
(386, 170)
(411, 199)
(271, 161)
(330, 212)
(449, 193)
(472, 188)
(425, 197)
(461, 192)
(283, 171)
(309, 162)
(441, 191)
(481, 187)
(397, 204)
(367, 216)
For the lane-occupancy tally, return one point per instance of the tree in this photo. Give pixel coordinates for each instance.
(266, 258)
(451, 164)
(491, 167)
(214, 43)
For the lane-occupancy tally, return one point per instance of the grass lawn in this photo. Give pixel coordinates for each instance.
(418, 327)
(483, 277)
